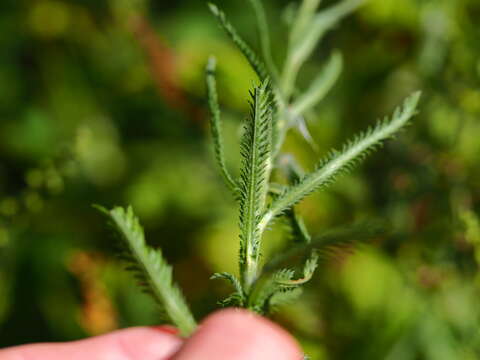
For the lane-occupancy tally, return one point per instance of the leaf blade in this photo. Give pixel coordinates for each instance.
(151, 268)
(320, 24)
(215, 124)
(238, 298)
(321, 85)
(339, 162)
(256, 63)
(254, 179)
(304, 16)
(307, 40)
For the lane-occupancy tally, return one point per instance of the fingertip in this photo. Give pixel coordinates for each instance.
(155, 343)
(146, 343)
(237, 334)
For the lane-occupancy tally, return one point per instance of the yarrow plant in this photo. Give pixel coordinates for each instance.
(277, 104)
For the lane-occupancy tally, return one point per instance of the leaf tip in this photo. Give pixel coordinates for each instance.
(413, 99)
(213, 8)
(411, 103)
(416, 96)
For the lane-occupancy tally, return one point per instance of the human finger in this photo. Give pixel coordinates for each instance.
(145, 343)
(236, 334)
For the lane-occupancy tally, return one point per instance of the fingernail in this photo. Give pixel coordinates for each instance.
(167, 329)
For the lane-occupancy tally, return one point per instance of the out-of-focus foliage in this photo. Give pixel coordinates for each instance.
(103, 102)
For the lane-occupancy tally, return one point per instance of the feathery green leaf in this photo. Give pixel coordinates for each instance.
(238, 297)
(150, 268)
(338, 162)
(254, 179)
(229, 277)
(319, 25)
(267, 287)
(309, 37)
(272, 289)
(309, 268)
(302, 20)
(215, 124)
(246, 50)
(233, 300)
(320, 86)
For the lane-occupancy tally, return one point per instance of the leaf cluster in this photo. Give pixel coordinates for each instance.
(260, 200)
(277, 104)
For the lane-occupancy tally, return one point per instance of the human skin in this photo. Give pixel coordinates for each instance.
(232, 334)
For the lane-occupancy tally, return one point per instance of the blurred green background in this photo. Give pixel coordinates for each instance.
(103, 102)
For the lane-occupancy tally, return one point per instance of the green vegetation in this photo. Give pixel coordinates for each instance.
(106, 103)
(263, 131)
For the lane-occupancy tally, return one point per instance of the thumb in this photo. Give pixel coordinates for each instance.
(236, 334)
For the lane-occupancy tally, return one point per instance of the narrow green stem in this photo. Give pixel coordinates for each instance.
(264, 36)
